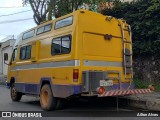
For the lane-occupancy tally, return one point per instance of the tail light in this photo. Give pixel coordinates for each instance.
(151, 87)
(100, 90)
(75, 75)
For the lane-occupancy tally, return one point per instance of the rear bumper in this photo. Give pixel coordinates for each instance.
(126, 89)
(124, 86)
(124, 92)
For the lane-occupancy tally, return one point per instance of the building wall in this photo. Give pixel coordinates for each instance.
(8, 50)
(6, 47)
(0, 60)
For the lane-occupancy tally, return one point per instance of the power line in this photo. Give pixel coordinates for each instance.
(11, 21)
(14, 6)
(7, 35)
(14, 13)
(3, 34)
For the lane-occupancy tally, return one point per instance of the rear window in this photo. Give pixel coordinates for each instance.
(64, 22)
(61, 45)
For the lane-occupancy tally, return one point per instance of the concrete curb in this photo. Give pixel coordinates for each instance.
(149, 101)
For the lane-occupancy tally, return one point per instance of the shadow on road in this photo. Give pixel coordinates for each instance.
(83, 103)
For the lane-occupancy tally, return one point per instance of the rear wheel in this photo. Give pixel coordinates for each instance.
(15, 95)
(60, 103)
(47, 100)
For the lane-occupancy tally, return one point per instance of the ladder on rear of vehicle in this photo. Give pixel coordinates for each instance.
(127, 52)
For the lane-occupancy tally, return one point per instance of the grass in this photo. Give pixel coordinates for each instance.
(140, 84)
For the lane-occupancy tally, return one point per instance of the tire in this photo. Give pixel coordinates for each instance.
(47, 101)
(15, 95)
(60, 103)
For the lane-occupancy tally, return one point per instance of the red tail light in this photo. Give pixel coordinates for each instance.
(100, 90)
(151, 87)
(75, 75)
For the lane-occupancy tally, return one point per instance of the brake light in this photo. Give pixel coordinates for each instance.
(75, 75)
(100, 90)
(151, 87)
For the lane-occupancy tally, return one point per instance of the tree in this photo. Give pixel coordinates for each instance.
(46, 9)
(143, 16)
(40, 9)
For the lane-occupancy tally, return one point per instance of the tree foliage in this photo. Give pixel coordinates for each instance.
(46, 9)
(40, 9)
(144, 17)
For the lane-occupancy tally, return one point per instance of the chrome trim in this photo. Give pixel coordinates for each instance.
(77, 62)
(68, 63)
(102, 63)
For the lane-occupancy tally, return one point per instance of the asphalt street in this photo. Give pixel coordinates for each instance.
(30, 103)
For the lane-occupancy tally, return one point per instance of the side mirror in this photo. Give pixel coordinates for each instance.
(5, 56)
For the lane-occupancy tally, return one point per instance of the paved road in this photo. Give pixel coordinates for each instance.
(26, 104)
(29, 103)
(3, 79)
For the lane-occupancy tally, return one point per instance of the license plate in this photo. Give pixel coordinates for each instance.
(106, 83)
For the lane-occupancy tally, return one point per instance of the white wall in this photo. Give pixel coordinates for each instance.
(6, 47)
(0, 61)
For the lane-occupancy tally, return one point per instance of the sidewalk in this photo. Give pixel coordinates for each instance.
(150, 101)
(3, 79)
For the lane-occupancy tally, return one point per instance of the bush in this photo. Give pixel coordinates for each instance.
(140, 84)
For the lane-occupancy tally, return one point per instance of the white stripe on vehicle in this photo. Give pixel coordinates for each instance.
(101, 63)
(67, 63)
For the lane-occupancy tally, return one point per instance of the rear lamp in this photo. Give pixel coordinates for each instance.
(75, 75)
(100, 90)
(151, 87)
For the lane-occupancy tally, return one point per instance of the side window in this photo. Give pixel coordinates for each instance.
(44, 29)
(28, 34)
(66, 42)
(40, 30)
(64, 22)
(28, 52)
(14, 55)
(61, 45)
(47, 28)
(56, 46)
(22, 53)
(25, 52)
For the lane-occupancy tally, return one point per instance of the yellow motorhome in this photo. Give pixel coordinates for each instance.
(83, 53)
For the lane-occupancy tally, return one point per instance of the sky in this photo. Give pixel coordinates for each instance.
(14, 28)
